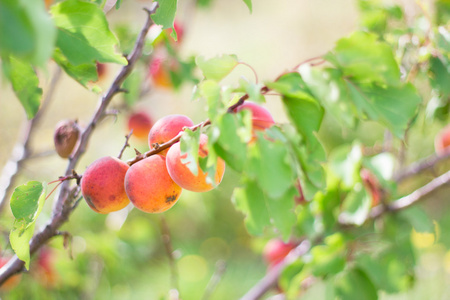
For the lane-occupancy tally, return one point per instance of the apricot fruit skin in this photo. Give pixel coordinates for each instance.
(65, 138)
(149, 186)
(261, 117)
(102, 185)
(276, 250)
(141, 123)
(442, 141)
(159, 72)
(167, 128)
(181, 174)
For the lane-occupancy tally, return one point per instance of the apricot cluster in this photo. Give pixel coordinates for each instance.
(154, 184)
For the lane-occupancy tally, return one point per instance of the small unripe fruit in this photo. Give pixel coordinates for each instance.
(181, 174)
(66, 136)
(102, 185)
(141, 123)
(166, 129)
(149, 186)
(261, 117)
(442, 141)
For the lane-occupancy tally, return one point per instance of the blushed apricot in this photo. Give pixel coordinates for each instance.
(149, 186)
(102, 185)
(141, 123)
(167, 128)
(261, 117)
(181, 174)
(442, 141)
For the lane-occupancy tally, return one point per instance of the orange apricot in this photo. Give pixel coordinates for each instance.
(141, 123)
(261, 117)
(167, 128)
(442, 141)
(159, 72)
(102, 185)
(149, 186)
(181, 174)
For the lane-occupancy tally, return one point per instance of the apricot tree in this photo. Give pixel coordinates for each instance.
(339, 214)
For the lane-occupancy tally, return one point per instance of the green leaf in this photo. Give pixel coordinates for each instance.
(27, 202)
(26, 30)
(83, 33)
(229, 144)
(84, 74)
(25, 84)
(363, 59)
(133, 86)
(270, 164)
(189, 147)
(301, 107)
(345, 163)
(392, 106)
(165, 14)
(210, 90)
(281, 211)
(355, 285)
(440, 74)
(218, 67)
(250, 201)
(249, 4)
(329, 258)
(419, 219)
(356, 206)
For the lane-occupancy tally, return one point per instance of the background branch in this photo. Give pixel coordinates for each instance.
(64, 204)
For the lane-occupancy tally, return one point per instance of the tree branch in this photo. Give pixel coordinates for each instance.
(64, 204)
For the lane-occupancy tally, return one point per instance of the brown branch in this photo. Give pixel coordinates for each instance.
(221, 267)
(66, 199)
(271, 278)
(21, 151)
(419, 166)
(127, 138)
(167, 241)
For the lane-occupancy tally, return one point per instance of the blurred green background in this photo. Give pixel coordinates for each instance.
(121, 255)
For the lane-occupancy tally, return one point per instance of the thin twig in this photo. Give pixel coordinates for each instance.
(66, 199)
(221, 267)
(127, 138)
(167, 241)
(21, 151)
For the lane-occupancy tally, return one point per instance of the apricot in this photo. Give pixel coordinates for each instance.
(442, 141)
(45, 271)
(181, 174)
(149, 186)
(166, 129)
(141, 123)
(261, 117)
(66, 137)
(11, 282)
(276, 250)
(159, 72)
(102, 185)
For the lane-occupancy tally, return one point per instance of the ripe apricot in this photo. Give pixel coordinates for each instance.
(181, 174)
(261, 117)
(11, 282)
(442, 141)
(141, 123)
(167, 128)
(276, 250)
(66, 137)
(159, 72)
(102, 185)
(149, 186)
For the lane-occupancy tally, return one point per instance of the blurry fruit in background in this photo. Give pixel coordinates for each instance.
(66, 137)
(442, 141)
(261, 117)
(141, 123)
(159, 70)
(183, 176)
(102, 185)
(372, 186)
(276, 250)
(45, 271)
(102, 70)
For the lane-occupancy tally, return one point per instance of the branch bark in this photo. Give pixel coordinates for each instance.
(65, 202)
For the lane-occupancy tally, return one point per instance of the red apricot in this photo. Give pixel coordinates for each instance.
(149, 186)
(166, 129)
(261, 117)
(45, 271)
(442, 141)
(159, 72)
(11, 282)
(66, 137)
(276, 250)
(181, 174)
(141, 123)
(102, 185)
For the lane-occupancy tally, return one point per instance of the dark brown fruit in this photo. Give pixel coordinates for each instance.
(66, 136)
